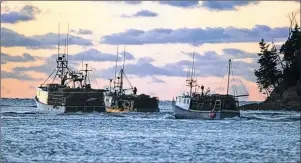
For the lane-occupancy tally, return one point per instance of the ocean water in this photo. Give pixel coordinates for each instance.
(257, 136)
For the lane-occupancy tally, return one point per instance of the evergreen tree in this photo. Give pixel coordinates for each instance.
(292, 57)
(268, 75)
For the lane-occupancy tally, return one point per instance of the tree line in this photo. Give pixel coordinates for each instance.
(280, 66)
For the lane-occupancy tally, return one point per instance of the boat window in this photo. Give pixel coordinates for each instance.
(184, 101)
(187, 101)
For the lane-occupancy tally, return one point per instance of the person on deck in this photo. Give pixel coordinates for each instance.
(202, 87)
(135, 90)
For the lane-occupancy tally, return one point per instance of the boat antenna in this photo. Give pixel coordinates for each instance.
(67, 42)
(123, 57)
(228, 77)
(65, 46)
(233, 80)
(58, 52)
(188, 72)
(95, 79)
(58, 47)
(83, 56)
(191, 77)
(116, 64)
(194, 76)
(86, 74)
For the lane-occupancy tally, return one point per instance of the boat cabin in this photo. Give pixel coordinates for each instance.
(50, 87)
(207, 103)
(183, 102)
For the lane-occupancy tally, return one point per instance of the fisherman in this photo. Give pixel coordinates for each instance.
(202, 87)
(135, 90)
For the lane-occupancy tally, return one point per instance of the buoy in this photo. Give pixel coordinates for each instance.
(212, 115)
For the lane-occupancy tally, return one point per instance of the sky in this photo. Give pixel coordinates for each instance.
(159, 38)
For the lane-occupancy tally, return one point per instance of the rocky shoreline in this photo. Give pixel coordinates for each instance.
(288, 99)
(275, 106)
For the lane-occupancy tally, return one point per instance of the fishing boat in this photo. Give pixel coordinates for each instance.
(71, 92)
(203, 105)
(120, 99)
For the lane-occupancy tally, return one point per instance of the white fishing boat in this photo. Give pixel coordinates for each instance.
(202, 105)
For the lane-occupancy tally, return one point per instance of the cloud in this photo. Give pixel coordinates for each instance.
(15, 75)
(208, 64)
(52, 39)
(212, 64)
(24, 58)
(95, 55)
(82, 31)
(141, 13)
(225, 5)
(129, 2)
(74, 60)
(27, 13)
(47, 68)
(186, 35)
(145, 60)
(156, 80)
(139, 69)
(182, 4)
(132, 2)
(238, 54)
(10, 38)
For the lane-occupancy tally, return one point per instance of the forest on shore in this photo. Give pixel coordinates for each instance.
(279, 75)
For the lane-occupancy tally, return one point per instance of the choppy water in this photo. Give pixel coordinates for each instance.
(258, 136)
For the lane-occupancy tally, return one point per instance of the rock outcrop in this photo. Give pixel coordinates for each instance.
(283, 98)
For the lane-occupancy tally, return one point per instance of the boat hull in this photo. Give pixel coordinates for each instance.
(115, 110)
(130, 104)
(49, 109)
(121, 110)
(196, 114)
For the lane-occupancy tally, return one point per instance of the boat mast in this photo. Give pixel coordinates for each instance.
(123, 57)
(110, 84)
(191, 75)
(86, 74)
(58, 44)
(67, 43)
(122, 71)
(121, 81)
(228, 77)
(116, 66)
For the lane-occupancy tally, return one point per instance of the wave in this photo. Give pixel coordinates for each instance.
(168, 116)
(18, 113)
(30, 106)
(272, 116)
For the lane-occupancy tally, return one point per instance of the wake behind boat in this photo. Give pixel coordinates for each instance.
(202, 105)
